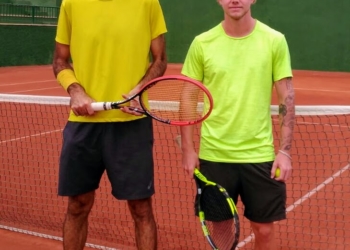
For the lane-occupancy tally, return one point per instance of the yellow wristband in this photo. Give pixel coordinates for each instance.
(66, 77)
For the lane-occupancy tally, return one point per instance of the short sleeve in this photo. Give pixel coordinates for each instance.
(63, 33)
(281, 59)
(193, 65)
(158, 25)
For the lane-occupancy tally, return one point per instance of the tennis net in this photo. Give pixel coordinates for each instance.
(318, 203)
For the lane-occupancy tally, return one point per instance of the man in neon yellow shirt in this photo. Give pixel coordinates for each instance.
(240, 61)
(109, 43)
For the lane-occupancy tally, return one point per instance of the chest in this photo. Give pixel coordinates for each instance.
(238, 57)
(113, 20)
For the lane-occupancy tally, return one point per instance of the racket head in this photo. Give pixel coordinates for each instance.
(176, 100)
(217, 214)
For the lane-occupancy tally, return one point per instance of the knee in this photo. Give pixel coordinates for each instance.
(141, 209)
(263, 230)
(80, 205)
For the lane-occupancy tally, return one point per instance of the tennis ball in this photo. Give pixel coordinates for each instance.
(277, 173)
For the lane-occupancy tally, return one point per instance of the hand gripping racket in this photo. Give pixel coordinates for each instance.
(216, 211)
(217, 214)
(171, 99)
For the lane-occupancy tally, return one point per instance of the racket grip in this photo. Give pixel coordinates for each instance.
(98, 106)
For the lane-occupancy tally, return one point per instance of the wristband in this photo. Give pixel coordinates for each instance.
(66, 77)
(285, 153)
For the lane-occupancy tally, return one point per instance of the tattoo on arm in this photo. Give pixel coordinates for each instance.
(287, 115)
(282, 109)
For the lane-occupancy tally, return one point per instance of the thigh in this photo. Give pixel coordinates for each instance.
(264, 198)
(128, 154)
(224, 174)
(80, 167)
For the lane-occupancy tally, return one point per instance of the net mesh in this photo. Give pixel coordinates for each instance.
(318, 203)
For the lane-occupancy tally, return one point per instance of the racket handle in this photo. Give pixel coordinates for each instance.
(98, 106)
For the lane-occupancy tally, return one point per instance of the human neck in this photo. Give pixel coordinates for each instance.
(239, 28)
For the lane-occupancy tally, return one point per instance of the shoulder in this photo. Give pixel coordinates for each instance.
(149, 2)
(68, 3)
(65, 2)
(265, 30)
(74, 2)
(209, 35)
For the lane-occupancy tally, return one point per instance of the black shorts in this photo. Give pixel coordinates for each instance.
(123, 149)
(264, 199)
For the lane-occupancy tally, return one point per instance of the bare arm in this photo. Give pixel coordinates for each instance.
(80, 101)
(159, 60)
(285, 93)
(61, 58)
(188, 108)
(156, 69)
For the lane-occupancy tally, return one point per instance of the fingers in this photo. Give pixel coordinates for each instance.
(273, 170)
(285, 172)
(84, 109)
(132, 110)
(190, 166)
(80, 103)
(190, 171)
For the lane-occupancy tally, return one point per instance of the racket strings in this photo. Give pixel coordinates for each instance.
(219, 219)
(175, 100)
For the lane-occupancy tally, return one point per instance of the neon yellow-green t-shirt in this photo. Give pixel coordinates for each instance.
(110, 46)
(239, 73)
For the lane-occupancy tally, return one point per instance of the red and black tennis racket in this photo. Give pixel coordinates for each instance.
(172, 99)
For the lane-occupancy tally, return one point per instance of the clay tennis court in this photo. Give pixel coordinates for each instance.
(318, 202)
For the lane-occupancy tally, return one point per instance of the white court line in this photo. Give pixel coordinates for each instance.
(32, 90)
(302, 199)
(51, 237)
(323, 90)
(23, 83)
(30, 136)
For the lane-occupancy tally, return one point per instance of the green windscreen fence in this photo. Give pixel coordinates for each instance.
(318, 35)
(28, 14)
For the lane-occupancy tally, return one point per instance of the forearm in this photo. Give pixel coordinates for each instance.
(287, 117)
(59, 64)
(187, 143)
(156, 69)
(63, 70)
(66, 77)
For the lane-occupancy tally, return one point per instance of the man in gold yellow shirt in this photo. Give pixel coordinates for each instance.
(109, 43)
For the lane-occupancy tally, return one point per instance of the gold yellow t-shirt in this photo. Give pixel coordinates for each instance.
(110, 47)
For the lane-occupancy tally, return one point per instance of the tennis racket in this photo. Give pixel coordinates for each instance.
(217, 214)
(216, 211)
(172, 99)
